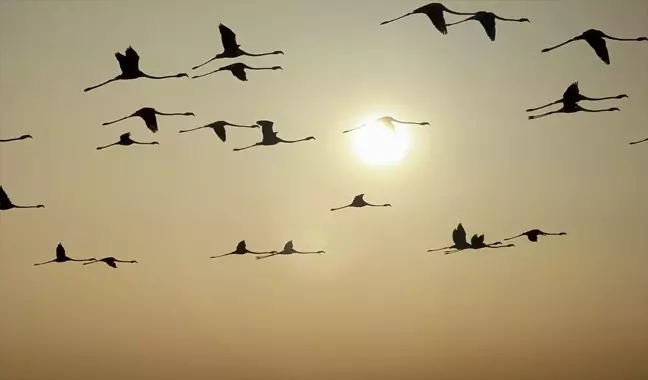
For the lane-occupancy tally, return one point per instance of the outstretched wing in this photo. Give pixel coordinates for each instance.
(151, 121)
(132, 55)
(489, 26)
(4, 198)
(125, 136)
(220, 131)
(359, 199)
(240, 74)
(228, 38)
(438, 20)
(267, 127)
(241, 246)
(60, 251)
(572, 91)
(110, 261)
(288, 246)
(600, 47)
(459, 235)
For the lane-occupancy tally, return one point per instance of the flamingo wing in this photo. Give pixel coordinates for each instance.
(267, 128)
(60, 251)
(132, 56)
(125, 137)
(124, 65)
(4, 198)
(459, 235)
(228, 38)
(358, 199)
(572, 91)
(110, 261)
(240, 74)
(220, 132)
(488, 23)
(241, 246)
(438, 20)
(151, 121)
(289, 246)
(600, 47)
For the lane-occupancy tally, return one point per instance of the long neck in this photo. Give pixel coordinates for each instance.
(13, 139)
(162, 77)
(407, 122)
(601, 110)
(639, 142)
(92, 260)
(309, 252)
(596, 99)
(257, 54)
(292, 141)
(144, 143)
(622, 39)
(171, 114)
(118, 120)
(259, 68)
(126, 261)
(459, 22)
(259, 253)
(241, 126)
(508, 19)
(456, 13)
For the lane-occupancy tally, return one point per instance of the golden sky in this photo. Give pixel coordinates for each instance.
(376, 305)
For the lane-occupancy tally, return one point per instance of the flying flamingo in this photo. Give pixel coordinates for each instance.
(5, 202)
(572, 108)
(129, 65)
(532, 235)
(241, 249)
(434, 11)
(23, 137)
(388, 121)
(358, 201)
(477, 242)
(270, 136)
(487, 20)
(148, 115)
(573, 95)
(125, 140)
(231, 48)
(111, 261)
(238, 70)
(595, 38)
(639, 142)
(219, 128)
(289, 249)
(460, 243)
(61, 257)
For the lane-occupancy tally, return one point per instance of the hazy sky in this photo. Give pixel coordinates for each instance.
(376, 305)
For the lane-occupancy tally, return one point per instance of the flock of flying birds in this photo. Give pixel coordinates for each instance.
(130, 69)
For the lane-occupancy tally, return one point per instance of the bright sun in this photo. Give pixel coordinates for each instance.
(377, 144)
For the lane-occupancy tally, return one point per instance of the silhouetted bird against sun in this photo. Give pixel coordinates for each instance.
(61, 257)
(241, 249)
(596, 39)
(434, 11)
(270, 136)
(487, 20)
(571, 108)
(358, 201)
(387, 121)
(125, 140)
(639, 142)
(129, 65)
(219, 128)
(23, 137)
(289, 249)
(460, 243)
(573, 95)
(238, 70)
(148, 114)
(111, 261)
(532, 235)
(231, 48)
(6, 204)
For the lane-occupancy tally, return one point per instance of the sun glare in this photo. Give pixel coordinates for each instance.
(377, 144)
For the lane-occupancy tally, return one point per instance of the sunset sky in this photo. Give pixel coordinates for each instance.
(376, 306)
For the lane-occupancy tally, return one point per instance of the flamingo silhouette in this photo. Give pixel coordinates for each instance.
(388, 121)
(596, 39)
(270, 136)
(219, 128)
(238, 70)
(289, 249)
(61, 257)
(125, 140)
(532, 235)
(358, 201)
(6, 204)
(111, 261)
(241, 249)
(460, 243)
(639, 142)
(129, 65)
(231, 48)
(573, 95)
(487, 20)
(434, 11)
(23, 137)
(148, 114)
(571, 108)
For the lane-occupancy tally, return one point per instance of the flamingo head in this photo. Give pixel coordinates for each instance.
(309, 138)
(155, 143)
(614, 109)
(276, 68)
(26, 137)
(278, 52)
(189, 114)
(182, 75)
(424, 123)
(524, 20)
(40, 206)
(622, 96)
(563, 233)
(642, 39)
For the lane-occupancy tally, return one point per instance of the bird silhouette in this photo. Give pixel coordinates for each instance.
(238, 70)
(23, 137)
(148, 114)
(358, 201)
(241, 249)
(111, 261)
(434, 11)
(270, 136)
(487, 20)
(289, 249)
(639, 142)
(572, 108)
(532, 235)
(460, 243)
(129, 65)
(219, 128)
(387, 121)
(61, 257)
(125, 140)
(573, 95)
(596, 39)
(231, 48)
(6, 204)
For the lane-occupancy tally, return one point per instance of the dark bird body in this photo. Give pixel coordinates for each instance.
(241, 249)
(219, 128)
(434, 11)
(238, 70)
(487, 20)
(596, 40)
(572, 96)
(532, 235)
(148, 114)
(476, 242)
(387, 121)
(111, 261)
(270, 137)
(6, 204)
(358, 201)
(289, 249)
(639, 142)
(126, 140)
(61, 257)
